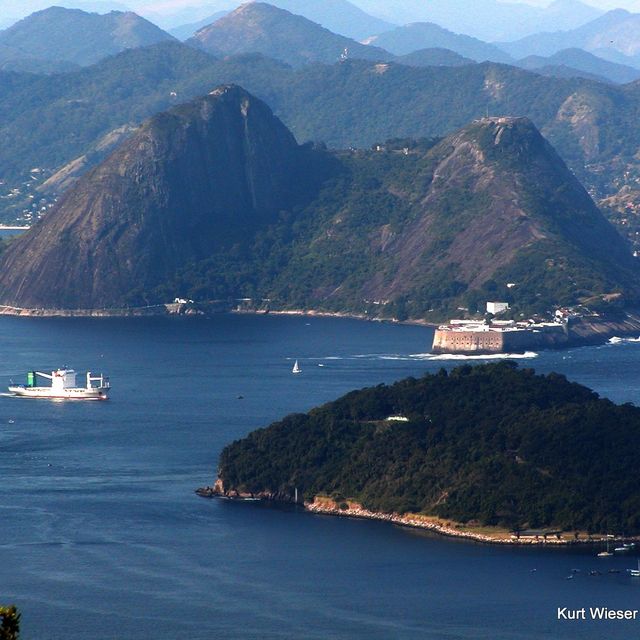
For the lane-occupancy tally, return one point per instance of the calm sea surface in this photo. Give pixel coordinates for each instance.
(102, 537)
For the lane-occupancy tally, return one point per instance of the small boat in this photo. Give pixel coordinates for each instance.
(63, 386)
(635, 573)
(607, 553)
(296, 368)
(624, 549)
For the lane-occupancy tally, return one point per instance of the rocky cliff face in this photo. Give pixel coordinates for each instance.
(215, 200)
(490, 206)
(513, 192)
(188, 182)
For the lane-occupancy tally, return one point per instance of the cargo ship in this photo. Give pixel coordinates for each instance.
(63, 386)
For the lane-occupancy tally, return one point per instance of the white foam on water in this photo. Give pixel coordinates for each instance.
(493, 356)
(619, 340)
(413, 357)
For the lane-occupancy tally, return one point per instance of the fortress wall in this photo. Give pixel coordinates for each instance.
(471, 342)
(467, 342)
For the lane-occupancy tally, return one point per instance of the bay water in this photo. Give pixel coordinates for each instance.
(102, 536)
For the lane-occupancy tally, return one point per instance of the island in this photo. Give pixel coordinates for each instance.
(494, 453)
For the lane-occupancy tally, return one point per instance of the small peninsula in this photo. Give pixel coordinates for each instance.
(494, 453)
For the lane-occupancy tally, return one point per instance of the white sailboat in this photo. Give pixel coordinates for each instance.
(296, 368)
(635, 572)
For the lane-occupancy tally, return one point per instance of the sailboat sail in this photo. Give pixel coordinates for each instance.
(296, 368)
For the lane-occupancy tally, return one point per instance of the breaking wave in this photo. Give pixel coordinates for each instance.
(412, 357)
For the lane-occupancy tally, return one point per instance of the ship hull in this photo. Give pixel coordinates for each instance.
(46, 393)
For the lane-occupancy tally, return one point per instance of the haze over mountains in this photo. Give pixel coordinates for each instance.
(486, 19)
(260, 27)
(422, 35)
(340, 16)
(615, 36)
(75, 37)
(573, 60)
(263, 28)
(592, 124)
(215, 200)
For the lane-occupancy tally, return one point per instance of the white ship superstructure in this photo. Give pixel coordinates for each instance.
(63, 386)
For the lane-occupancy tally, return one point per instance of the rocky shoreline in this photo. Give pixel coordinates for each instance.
(350, 509)
(169, 309)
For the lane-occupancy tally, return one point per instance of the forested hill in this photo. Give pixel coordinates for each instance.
(215, 200)
(47, 122)
(491, 443)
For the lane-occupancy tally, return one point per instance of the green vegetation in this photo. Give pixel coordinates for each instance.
(75, 36)
(262, 28)
(409, 229)
(492, 443)
(9, 623)
(343, 248)
(48, 121)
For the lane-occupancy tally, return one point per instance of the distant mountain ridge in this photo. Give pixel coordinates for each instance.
(340, 16)
(257, 27)
(77, 37)
(186, 31)
(433, 57)
(14, 59)
(583, 61)
(593, 125)
(422, 35)
(214, 199)
(488, 20)
(614, 35)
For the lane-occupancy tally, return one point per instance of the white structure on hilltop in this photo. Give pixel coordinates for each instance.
(497, 307)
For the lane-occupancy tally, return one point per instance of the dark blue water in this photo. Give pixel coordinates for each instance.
(10, 233)
(101, 536)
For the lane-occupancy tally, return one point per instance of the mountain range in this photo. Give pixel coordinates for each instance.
(583, 119)
(214, 199)
(274, 32)
(75, 37)
(486, 19)
(614, 35)
(258, 27)
(421, 35)
(57, 125)
(185, 31)
(340, 16)
(578, 60)
(433, 57)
